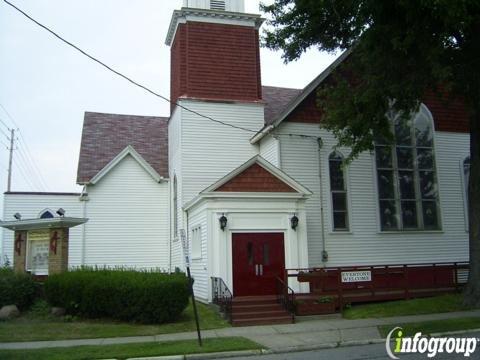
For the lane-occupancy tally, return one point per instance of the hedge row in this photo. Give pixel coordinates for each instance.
(140, 296)
(16, 289)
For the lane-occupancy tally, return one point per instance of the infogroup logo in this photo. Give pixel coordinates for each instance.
(429, 345)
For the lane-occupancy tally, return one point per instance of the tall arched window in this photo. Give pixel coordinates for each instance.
(175, 207)
(406, 175)
(338, 191)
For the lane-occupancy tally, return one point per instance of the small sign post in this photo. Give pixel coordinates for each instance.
(187, 264)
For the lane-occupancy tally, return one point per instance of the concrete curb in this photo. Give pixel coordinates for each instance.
(215, 355)
(456, 332)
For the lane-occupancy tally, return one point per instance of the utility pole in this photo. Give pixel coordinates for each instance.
(12, 137)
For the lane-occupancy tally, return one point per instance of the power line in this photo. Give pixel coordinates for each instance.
(10, 116)
(3, 122)
(4, 133)
(25, 177)
(122, 75)
(28, 155)
(29, 169)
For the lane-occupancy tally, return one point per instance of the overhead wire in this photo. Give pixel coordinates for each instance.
(22, 173)
(29, 170)
(28, 156)
(109, 68)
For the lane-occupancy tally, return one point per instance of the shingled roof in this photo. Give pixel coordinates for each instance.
(276, 100)
(104, 136)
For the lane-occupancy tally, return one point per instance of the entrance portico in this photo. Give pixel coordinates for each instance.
(257, 239)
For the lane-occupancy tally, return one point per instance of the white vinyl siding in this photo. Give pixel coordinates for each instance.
(270, 150)
(199, 260)
(211, 150)
(365, 244)
(30, 207)
(175, 169)
(128, 215)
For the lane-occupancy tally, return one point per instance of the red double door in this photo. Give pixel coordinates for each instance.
(258, 258)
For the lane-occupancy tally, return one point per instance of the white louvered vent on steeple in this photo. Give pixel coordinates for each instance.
(222, 5)
(217, 4)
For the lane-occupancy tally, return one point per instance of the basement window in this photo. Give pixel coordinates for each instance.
(217, 5)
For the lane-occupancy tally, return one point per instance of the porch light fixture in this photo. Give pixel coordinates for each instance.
(17, 216)
(223, 222)
(61, 212)
(294, 222)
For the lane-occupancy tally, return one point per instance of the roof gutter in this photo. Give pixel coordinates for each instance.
(259, 135)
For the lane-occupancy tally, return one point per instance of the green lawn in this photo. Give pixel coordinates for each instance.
(437, 304)
(131, 350)
(35, 325)
(435, 326)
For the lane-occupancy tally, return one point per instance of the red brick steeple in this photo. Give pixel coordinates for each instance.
(215, 53)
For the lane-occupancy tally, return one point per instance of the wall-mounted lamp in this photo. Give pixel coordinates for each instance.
(61, 212)
(17, 216)
(294, 222)
(223, 222)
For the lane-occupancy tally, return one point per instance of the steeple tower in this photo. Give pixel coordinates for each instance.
(215, 52)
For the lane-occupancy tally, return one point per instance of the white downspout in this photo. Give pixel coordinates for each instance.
(324, 247)
(84, 199)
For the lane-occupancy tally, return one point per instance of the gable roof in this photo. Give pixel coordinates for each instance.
(276, 173)
(276, 100)
(105, 136)
(294, 102)
(129, 150)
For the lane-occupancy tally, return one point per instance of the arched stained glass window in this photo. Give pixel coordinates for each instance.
(338, 191)
(406, 175)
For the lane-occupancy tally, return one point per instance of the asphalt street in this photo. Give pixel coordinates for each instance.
(363, 352)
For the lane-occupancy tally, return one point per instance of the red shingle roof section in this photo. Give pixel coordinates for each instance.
(276, 100)
(106, 135)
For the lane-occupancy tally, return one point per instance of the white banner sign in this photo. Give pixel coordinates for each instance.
(354, 276)
(185, 247)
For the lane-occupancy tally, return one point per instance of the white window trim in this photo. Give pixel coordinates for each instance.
(346, 177)
(422, 107)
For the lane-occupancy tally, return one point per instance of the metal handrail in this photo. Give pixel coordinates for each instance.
(222, 296)
(286, 297)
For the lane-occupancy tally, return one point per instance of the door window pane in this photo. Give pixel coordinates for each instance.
(250, 253)
(266, 254)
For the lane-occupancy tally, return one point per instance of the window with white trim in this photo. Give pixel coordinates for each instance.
(406, 176)
(197, 243)
(466, 181)
(338, 192)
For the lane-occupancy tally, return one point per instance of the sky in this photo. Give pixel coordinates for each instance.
(46, 86)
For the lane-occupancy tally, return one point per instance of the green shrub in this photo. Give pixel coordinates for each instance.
(15, 288)
(140, 296)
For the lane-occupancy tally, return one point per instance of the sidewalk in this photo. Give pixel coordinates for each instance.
(303, 335)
